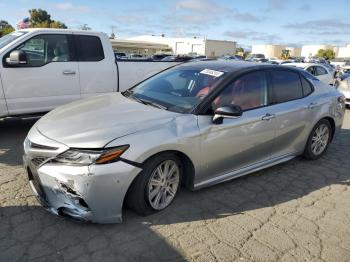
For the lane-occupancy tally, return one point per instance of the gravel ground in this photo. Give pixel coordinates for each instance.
(296, 211)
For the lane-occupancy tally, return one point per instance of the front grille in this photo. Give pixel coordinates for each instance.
(37, 161)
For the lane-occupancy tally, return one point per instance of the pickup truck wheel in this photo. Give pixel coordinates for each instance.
(318, 140)
(156, 186)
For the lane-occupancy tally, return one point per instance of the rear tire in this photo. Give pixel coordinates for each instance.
(318, 140)
(156, 186)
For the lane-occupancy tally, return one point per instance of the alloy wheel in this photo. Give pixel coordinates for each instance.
(320, 139)
(163, 184)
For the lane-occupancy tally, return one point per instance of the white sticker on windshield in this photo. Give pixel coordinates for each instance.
(213, 73)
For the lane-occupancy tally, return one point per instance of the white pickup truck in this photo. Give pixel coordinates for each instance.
(41, 69)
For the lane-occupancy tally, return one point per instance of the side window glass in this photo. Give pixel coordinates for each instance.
(43, 49)
(34, 49)
(286, 86)
(248, 92)
(90, 48)
(307, 87)
(320, 71)
(311, 70)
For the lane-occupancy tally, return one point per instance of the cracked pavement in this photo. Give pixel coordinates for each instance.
(296, 211)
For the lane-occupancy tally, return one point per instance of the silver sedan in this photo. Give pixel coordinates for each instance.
(196, 125)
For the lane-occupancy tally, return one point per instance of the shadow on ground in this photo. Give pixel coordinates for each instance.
(29, 232)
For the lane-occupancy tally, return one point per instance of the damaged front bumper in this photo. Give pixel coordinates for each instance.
(92, 193)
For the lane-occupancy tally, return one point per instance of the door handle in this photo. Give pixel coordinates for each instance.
(268, 117)
(68, 72)
(312, 105)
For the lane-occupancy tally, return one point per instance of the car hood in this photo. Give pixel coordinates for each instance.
(94, 122)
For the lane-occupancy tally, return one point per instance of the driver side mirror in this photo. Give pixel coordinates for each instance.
(17, 57)
(232, 111)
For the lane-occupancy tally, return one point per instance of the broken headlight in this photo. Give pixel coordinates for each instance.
(88, 157)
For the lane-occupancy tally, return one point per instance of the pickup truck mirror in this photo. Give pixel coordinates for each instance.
(232, 111)
(17, 57)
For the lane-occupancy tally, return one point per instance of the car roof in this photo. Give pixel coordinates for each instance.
(228, 66)
(302, 65)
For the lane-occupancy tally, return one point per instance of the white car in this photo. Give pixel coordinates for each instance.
(342, 83)
(320, 71)
(41, 69)
(345, 69)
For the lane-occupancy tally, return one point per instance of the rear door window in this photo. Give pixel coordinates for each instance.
(89, 48)
(286, 86)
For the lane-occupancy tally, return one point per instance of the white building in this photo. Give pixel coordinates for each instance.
(198, 46)
(344, 51)
(311, 50)
(270, 51)
(305, 51)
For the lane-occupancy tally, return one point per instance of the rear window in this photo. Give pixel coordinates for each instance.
(89, 48)
(286, 86)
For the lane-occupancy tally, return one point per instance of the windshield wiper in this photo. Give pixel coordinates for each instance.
(129, 94)
(147, 102)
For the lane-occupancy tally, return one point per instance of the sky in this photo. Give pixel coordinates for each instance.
(287, 22)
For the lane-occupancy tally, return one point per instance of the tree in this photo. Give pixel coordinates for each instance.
(5, 28)
(326, 54)
(40, 18)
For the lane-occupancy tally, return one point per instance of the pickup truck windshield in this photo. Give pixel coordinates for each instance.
(178, 90)
(5, 40)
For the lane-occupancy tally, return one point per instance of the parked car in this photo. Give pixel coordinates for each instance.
(320, 71)
(252, 57)
(197, 124)
(339, 62)
(120, 55)
(177, 58)
(343, 85)
(345, 69)
(41, 69)
(159, 57)
(230, 57)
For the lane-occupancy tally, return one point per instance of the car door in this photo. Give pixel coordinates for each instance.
(239, 142)
(97, 71)
(291, 111)
(48, 79)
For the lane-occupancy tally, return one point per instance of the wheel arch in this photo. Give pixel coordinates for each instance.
(188, 167)
(332, 123)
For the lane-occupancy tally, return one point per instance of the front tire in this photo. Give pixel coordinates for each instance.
(318, 140)
(156, 186)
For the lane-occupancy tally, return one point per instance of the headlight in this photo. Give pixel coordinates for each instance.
(88, 157)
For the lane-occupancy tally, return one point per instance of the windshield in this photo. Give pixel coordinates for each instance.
(178, 90)
(5, 40)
